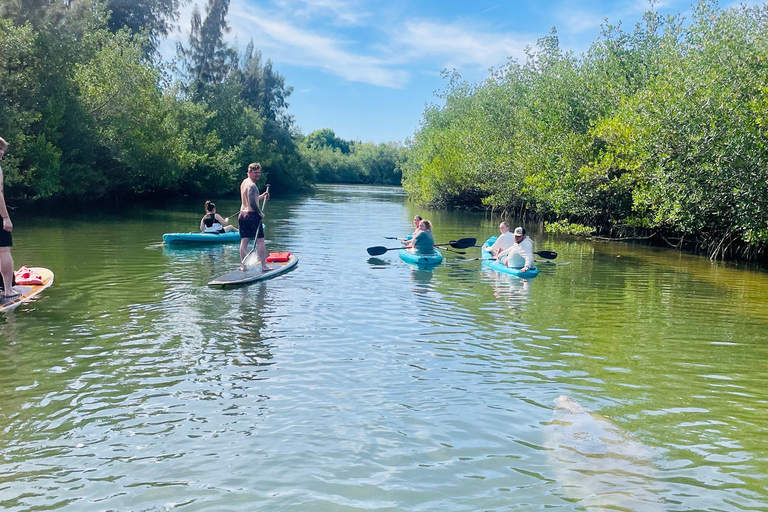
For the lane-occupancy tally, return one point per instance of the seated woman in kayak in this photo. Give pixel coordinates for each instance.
(416, 220)
(503, 242)
(423, 242)
(520, 255)
(212, 222)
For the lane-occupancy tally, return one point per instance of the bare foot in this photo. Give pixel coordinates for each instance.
(11, 295)
(266, 269)
(243, 268)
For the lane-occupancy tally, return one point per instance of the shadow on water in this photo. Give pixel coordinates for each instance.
(377, 262)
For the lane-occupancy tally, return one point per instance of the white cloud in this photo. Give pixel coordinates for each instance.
(577, 21)
(295, 45)
(457, 45)
(342, 12)
(412, 46)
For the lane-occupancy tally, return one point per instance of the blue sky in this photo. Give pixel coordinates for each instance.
(367, 68)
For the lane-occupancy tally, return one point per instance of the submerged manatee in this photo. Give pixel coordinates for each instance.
(597, 464)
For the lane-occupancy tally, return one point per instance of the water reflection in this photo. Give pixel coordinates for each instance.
(508, 290)
(368, 384)
(421, 276)
(377, 262)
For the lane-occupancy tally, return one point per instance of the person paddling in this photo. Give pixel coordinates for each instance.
(423, 242)
(250, 218)
(6, 240)
(520, 254)
(416, 220)
(503, 242)
(212, 222)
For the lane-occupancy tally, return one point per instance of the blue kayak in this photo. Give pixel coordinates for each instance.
(489, 262)
(202, 238)
(421, 259)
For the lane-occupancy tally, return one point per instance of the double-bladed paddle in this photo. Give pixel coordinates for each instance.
(544, 254)
(462, 243)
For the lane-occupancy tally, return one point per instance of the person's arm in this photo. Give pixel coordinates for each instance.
(505, 252)
(221, 220)
(202, 224)
(528, 255)
(253, 198)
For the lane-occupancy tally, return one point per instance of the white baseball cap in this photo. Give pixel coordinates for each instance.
(519, 231)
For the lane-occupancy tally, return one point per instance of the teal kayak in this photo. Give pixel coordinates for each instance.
(201, 238)
(489, 262)
(421, 259)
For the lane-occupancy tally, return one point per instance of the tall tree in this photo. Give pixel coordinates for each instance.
(209, 58)
(263, 88)
(156, 16)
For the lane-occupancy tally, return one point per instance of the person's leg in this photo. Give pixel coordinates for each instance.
(243, 250)
(261, 249)
(6, 269)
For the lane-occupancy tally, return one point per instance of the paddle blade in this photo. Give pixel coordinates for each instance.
(377, 251)
(550, 255)
(463, 243)
(251, 259)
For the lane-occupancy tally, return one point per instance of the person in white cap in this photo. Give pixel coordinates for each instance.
(520, 255)
(503, 242)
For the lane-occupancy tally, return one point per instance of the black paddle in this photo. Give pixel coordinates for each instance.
(544, 254)
(550, 255)
(461, 243)
(458, 244)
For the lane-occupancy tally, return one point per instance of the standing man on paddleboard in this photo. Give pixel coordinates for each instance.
(6, 241)
(250, 218)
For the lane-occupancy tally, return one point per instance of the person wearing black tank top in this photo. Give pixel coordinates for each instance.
(212, 222)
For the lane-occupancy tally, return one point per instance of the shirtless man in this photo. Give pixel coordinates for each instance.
(250, 218)
(6, 241)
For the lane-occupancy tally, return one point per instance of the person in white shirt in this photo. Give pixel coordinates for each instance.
(521, 252)
(503, 242)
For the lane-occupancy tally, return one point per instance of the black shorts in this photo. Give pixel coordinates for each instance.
(6, 240)
(250, 225)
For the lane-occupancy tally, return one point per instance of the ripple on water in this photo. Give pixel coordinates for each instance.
(355, 383)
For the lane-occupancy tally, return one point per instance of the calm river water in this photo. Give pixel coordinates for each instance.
(355, 383)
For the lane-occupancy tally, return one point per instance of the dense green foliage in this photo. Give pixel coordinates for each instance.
(335, 160)
(90, 113)
(663, 128)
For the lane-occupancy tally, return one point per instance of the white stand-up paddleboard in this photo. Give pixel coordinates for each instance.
(254, 273)
(27, 291)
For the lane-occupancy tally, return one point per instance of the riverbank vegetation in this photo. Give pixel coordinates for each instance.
(660, 131)
(336, 160)
(91, 111)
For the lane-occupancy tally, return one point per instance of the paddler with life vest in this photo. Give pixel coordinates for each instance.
(212, 222)
(521, 252)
